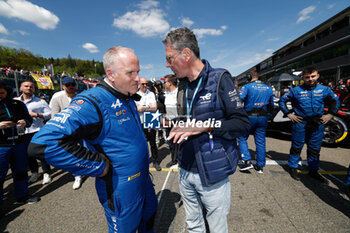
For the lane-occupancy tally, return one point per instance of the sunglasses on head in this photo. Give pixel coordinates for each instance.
(70, 84)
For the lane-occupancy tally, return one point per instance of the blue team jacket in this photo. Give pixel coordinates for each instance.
(256, 95)
(309, 102)
(109, 124)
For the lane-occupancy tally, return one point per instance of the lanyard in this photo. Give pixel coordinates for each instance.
(13, 130)
(189, 106)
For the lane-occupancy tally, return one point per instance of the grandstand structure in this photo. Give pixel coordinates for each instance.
(326, 47)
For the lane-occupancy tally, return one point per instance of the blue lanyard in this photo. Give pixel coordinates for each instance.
(13, 130)
(189, 106)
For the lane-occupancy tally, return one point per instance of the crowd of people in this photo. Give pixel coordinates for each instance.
(99, 133)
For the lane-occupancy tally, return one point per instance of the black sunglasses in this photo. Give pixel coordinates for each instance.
(143, 84)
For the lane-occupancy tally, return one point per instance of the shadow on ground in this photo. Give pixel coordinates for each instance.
(10, 208)
(167, 209)
(334, 197)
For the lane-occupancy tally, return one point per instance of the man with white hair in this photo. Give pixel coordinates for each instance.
(115, 150)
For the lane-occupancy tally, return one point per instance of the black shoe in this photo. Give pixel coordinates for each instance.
(28, 199)
(246, 166)
(259, 169)
(314, 174)
(157, 167)
(294, 174)
(171, 163)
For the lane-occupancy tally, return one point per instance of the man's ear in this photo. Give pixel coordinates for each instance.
(187, 54)
(109, 74)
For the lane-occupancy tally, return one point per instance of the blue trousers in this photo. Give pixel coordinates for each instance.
(301, 134)
(138, 215)
(16, 158)
(258, 129)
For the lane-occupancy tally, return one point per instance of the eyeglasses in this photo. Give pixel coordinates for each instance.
(70, 84)
(171, 59)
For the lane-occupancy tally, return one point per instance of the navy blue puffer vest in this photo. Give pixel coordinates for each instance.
(215, 165)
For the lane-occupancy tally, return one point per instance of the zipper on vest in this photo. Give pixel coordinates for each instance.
(200, 156)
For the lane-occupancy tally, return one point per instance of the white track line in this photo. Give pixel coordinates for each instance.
(165, 182)
(276, 162)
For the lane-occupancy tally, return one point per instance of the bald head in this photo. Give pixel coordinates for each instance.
(143, 85)
(122, 69)
(113, 55)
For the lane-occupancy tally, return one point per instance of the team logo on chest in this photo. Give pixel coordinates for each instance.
(116, 104)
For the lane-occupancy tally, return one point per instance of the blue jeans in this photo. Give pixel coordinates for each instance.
(215, 199)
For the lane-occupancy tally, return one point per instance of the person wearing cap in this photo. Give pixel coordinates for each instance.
(59, 101)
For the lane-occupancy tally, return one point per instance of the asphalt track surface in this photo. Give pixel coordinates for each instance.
(268, 202)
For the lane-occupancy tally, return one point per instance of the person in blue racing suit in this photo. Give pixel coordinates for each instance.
(115, 149)
(308, 120)
(258, 102)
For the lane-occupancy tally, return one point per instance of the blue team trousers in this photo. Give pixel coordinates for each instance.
(135, 216)
(15, 157)
(258, 129)
(312, 136)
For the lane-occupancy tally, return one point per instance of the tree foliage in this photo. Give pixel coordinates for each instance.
(24, 59)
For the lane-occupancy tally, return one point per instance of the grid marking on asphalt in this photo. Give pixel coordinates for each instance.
(269, 163)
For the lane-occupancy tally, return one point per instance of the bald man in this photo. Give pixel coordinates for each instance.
(115, 150)
(148, 103)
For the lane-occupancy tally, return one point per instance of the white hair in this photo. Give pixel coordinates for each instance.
(113, 54)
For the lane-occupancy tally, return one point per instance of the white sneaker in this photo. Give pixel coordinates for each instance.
(77, 182)
(34, 177)
(46, 178)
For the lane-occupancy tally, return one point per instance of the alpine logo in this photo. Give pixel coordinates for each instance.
(116, 104)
